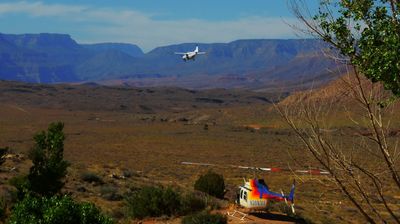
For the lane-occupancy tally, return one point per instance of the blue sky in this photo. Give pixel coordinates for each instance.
(150, 23)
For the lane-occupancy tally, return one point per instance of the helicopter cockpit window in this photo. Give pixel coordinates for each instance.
(245, 196)
(241, 193)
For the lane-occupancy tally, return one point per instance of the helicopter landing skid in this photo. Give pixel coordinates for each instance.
(237, 214)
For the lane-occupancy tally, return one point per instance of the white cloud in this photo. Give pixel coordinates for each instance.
(94, 24)
(40, 9)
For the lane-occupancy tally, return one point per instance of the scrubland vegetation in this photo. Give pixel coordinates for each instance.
(115, 156)
(39, 196)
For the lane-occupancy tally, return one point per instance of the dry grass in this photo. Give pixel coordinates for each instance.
(154, 150)
(152, 147)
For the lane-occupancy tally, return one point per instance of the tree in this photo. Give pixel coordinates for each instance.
(366, 33)
(49, 167)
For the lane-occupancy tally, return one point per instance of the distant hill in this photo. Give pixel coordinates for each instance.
(238, 57)
(105, 64)
(129, 49)
(338, 104)
(42, 58)
(252, 64)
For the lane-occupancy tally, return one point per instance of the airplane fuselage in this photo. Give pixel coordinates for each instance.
(191, 55)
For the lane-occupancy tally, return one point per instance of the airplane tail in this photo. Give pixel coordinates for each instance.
(197, 49)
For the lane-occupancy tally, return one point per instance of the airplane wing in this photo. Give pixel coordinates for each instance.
(201, 52)
(180, 53)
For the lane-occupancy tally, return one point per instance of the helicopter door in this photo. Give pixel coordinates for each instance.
(243, 198)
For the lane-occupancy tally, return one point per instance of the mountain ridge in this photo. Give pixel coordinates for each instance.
(54, 58)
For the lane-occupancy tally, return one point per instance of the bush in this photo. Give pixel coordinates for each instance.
(153, 202)
(110, 193)
(191, 203)
(60, 210)
(49, 167)
(91, 178)
(3, 153)
(21, 183)
(212, 184)
(205, 218)
(158, 201)
(3, 208)
(129, 173)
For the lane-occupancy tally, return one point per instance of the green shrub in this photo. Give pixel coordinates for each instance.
(205, 218)
(212, 184)
(158, 201)
(60, 210)
(3, 153)
(110, 193)
(171, 201)
(191, 203)
(49, 167)
(129, 173)
(91, 178)
(21, 183)
(3, 208)
(153, 202)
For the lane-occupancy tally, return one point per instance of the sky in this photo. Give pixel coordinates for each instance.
(150, 23)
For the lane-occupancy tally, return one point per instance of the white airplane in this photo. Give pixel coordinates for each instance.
(190, 55)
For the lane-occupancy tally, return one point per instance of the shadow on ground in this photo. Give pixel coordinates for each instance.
(278, 217)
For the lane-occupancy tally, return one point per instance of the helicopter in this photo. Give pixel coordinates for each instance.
(255, 194)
